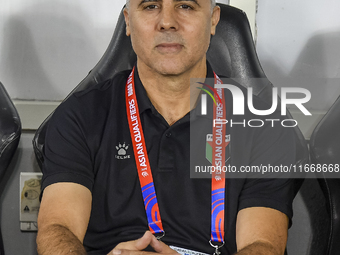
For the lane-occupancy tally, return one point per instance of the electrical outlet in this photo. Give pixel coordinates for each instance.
(30, 184)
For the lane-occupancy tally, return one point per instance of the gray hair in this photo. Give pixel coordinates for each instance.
(213, 3)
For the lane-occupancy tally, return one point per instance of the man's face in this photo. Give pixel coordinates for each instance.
(170, 36)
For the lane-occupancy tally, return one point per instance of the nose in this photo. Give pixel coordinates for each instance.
(167, 18)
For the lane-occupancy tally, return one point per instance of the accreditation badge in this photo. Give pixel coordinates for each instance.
(183, 251)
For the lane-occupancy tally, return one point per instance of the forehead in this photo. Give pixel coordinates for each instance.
(199, 2)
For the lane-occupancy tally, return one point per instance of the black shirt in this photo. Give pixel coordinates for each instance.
(88, 142)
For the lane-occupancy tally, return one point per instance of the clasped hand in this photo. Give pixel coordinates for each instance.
(136, 247)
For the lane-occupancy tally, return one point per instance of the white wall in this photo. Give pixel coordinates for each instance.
(47, 47)
(298, 43)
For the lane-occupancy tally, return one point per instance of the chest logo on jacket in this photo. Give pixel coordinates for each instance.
(122, 151)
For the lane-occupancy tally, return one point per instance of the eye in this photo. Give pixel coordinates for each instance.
(151, 7)
(186, 7)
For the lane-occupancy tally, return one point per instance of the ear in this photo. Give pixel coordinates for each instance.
(126, 17)
(215, 18)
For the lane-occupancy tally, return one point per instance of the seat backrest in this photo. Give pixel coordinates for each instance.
(325, 150)
(231, 53)
(10, 131)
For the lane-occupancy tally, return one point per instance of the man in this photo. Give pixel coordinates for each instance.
(92, 194)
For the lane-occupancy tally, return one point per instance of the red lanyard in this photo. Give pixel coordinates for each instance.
(142, 159)
(218, 176)
(145, 174)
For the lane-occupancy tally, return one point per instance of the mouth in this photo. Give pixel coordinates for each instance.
(166, 48)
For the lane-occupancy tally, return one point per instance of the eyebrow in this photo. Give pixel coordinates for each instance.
(146, 1)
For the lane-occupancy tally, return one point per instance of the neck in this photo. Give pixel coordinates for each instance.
(172, 95)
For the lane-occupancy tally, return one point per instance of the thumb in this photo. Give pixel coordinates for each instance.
(161, 247)
(144, 241)
(139, 244)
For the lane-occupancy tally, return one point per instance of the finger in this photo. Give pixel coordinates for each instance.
(139, 244)
(130, 252)
(145, 241)
(161, 247)
(157, 245)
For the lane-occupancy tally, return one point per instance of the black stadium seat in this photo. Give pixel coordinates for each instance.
(10, 131)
